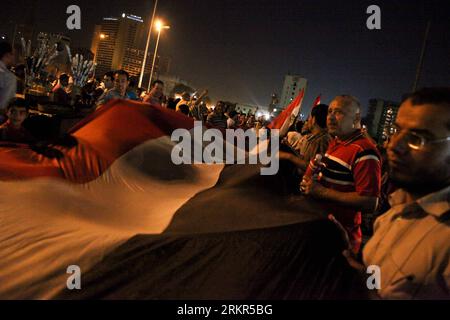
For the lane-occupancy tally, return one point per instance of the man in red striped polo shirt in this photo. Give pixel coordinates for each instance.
(350, 179)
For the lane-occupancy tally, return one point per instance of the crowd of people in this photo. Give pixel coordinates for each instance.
(405, 182)
(117, 85)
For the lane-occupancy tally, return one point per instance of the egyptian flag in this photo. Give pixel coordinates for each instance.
(317, 100)
(286, 118)
(140, 227)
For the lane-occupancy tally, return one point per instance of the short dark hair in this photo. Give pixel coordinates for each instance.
(434, 95)
(5, 47)
(299, 125)
(64, 77)
(133, 82)
(18, 102)
(156, 82)
(109, 74)
(122, 73)
(184, 108)
(320, 113)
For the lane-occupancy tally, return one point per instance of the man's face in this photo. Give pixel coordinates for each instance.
(109, 83)
(17, 115)
(309, 124)
(428, 168)
(9, 59)
(158, 90)
(341, 118)
(219, 108)
(121, 82)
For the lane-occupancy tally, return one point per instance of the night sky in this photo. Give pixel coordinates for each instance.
(241, 49)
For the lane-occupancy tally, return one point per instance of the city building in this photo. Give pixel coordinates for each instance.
(291, 88)
(132, 63)
(119, 42)
(381, 115)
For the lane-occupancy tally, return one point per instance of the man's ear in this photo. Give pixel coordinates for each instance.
(357, 118)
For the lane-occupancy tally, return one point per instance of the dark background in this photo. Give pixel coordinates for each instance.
(241, 49)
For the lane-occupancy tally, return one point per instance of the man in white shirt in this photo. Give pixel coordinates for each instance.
(411, 241)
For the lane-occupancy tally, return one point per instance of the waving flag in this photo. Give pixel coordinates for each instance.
(140, 227)
(287, 117)
(317, 101)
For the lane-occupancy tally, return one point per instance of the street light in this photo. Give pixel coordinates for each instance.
(102, 36)
(158, 26)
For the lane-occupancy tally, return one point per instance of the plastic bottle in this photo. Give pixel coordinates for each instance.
(316, 168)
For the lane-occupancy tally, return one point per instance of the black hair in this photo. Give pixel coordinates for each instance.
(299, 125)
(133, 82)
(320, 113)
(184, 108)
(5, 47)
(232, 113)
(123, 72)
(156, 82)
(435, 95)
(109, 74)
(18, 102)
(63, 77)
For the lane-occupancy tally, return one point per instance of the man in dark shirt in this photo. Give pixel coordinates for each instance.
(217, 119)
(315, 143)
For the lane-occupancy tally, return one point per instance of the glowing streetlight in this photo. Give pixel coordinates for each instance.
(101, 36)
(158, 26)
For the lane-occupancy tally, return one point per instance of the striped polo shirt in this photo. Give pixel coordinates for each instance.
(352, 165)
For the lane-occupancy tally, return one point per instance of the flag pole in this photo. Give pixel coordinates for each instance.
(422, 54)
(141, 77)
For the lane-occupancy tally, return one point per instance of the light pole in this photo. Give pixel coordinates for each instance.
(144, 61)
(159, 26)
(102, 36)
